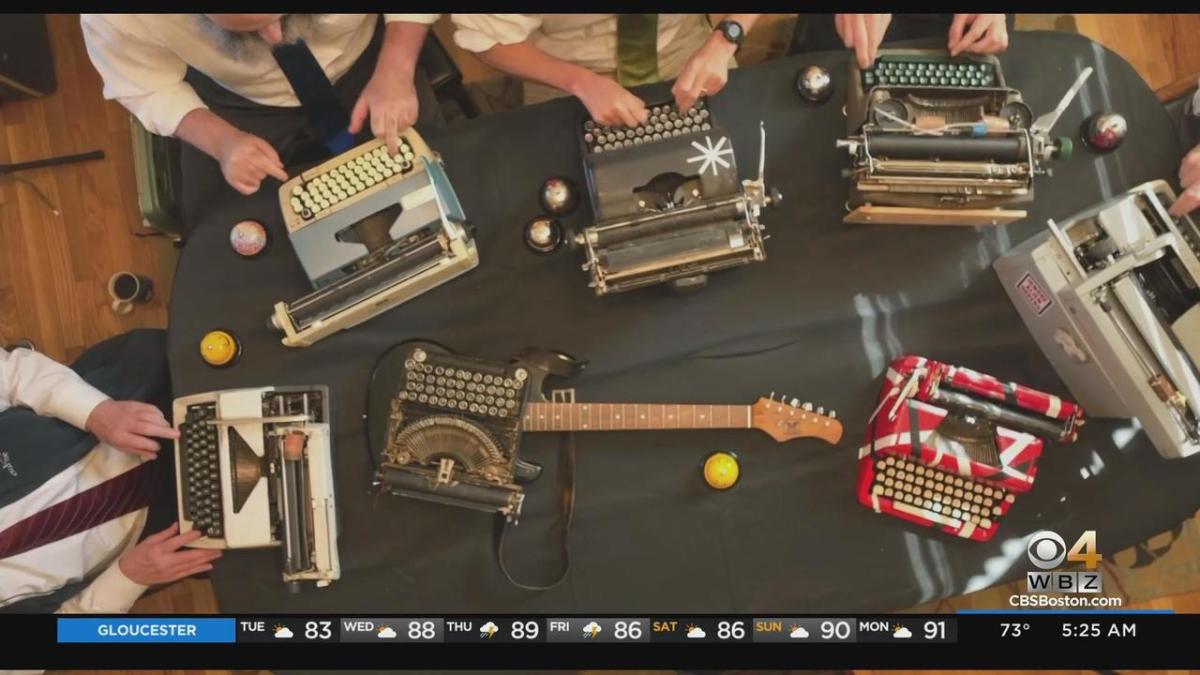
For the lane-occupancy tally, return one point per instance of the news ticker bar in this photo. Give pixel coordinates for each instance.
(484, 629)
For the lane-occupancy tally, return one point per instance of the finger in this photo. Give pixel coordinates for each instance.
(267, 151)
(173, 543)
(269, 167)
(192, 557)
(134, 443)
(392, 134)
(635, 108)
(358, 115)
(164, 534)
(149, 412)
(185, 573)
(862, 43)
(686, 98)
(155, 430)
(973, 37)
(839, 24)
(957, 27)
(1189, 169)
(244, 186)
(1186, 203)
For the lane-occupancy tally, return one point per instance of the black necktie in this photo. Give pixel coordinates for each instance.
(318, 98)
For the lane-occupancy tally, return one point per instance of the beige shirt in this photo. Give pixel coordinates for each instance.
(143, 59)
(587, 40)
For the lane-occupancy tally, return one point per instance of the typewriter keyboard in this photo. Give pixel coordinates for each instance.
(453, 387)
(939, 492)
(929, 72)
(357, 174)
(199, 448)
(664, 121)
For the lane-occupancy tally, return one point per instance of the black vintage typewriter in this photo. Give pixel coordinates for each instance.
(936, 139)
(453, 429)
(667, 201)
(255, 469)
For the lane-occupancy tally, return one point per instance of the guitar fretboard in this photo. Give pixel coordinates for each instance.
(544, 416)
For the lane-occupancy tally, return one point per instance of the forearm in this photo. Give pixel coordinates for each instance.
(205, 130)
(524, 60)
(402, 41)
(109, 593)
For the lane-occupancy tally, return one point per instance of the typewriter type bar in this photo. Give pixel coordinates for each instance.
(371, 232)
(255, 469)
(940, 140)
(1112, 296)
(668, 205)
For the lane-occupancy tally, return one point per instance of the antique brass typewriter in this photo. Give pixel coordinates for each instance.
(1112, 296)
(255, 469)
(667, 202)
(941, 140)
(453, 429)
(371, 231)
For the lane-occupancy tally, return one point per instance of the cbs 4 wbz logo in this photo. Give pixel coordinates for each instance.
(1047, 551)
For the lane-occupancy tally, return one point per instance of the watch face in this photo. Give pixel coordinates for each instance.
(734, 31)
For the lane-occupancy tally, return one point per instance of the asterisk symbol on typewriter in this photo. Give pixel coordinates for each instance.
(711, 155)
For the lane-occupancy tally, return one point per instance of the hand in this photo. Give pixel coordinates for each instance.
(987, 34)
(246, 160)
(705, 73)
(391, 101)
(158, 560)
(1189, 179)
(610, 103)
(862, 33)
(130, 426)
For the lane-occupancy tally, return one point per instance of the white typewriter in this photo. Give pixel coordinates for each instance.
(372, 230)
(1111, 295)
(254, 469)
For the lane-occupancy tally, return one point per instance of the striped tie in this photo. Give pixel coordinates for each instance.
(99, 504)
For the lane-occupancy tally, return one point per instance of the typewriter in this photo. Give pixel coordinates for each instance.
(941, 140)
(949, 447)
(1110, 294)
(371, 231)
(255, 469)
(454, 428)
(667, 202)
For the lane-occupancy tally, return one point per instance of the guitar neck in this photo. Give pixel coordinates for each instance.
(545, 416)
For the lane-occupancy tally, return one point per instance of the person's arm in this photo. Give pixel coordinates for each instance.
(54, 390)
(390, 97)
(502, 42)
(707, 71)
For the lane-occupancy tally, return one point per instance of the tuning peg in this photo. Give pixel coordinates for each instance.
(795, 402)
(821, 410)
(771, 397)
(808, 406)
(833, 414)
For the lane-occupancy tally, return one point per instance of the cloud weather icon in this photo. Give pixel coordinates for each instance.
(901, 632)
(283, 632)
(591, 630)
(488, 629)
(387, 632)
(798, 633)
(695, 632)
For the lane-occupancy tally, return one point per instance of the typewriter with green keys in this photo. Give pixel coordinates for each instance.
(936, 139)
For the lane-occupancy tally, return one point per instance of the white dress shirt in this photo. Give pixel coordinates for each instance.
(587, 40)
(51, 389)
(143, 59)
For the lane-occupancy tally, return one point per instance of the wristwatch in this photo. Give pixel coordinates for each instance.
(733, 32)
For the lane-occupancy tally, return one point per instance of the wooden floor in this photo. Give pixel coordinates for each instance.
(53, 269)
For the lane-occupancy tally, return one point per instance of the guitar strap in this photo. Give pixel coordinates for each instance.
(566, 460)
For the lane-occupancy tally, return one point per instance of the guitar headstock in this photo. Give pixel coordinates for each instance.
(785, 420)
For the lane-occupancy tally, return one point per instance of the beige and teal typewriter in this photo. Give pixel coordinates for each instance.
(254, 469)
(372, 230)
(668, 204)
(941, 140)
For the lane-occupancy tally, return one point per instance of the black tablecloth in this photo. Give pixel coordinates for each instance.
(819, 320)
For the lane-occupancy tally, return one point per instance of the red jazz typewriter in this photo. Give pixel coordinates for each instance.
(949, 447)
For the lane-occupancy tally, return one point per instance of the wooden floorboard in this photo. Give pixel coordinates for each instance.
(53, 269)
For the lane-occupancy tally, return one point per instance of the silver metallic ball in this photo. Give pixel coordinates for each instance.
(814, 84)
(1105, 131)
(559, 196)
(543, 234)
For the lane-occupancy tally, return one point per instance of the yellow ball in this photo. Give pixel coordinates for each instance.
(218, 348)
(721, 470)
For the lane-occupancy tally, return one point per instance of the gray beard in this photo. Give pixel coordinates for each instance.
(246, 45)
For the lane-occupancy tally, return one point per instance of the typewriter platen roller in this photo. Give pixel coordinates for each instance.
(371, 231)
(935, 139)
(255, 469)
(668, 204)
